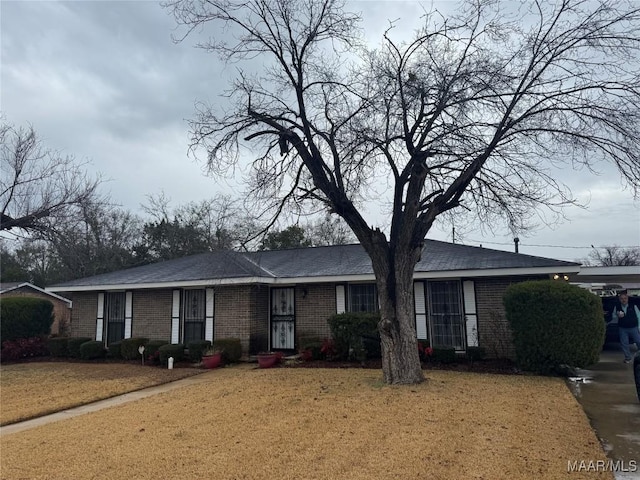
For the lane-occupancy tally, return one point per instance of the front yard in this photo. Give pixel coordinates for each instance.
(30, 390)
(320, 424)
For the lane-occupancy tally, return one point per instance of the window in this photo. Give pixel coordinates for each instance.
(114, 311)
(194, 315)
(445, 314)
(363, 298)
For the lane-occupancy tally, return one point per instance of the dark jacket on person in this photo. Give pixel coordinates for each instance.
(630, 319)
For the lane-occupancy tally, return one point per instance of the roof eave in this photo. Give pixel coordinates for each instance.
(368, 277)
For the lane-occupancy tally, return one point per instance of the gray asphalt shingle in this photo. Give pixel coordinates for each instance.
(339, 260)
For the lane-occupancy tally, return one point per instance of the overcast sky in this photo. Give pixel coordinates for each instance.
(104, 81)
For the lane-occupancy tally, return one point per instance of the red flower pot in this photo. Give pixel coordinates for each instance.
(267, 360)
(212, 361)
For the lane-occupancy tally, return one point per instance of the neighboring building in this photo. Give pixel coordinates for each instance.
(273, 299)
(609, 281)
(61, 305)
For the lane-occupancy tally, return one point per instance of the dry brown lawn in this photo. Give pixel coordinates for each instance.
(30, 390)
(246, 423)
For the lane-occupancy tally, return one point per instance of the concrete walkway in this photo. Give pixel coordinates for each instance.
(607, 394)
(106, 403)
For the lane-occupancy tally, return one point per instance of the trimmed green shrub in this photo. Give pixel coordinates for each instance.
(73, 345)
(554, 324)
(25, 317)
(58, 346)
(231, 349)
(151, 351)
(129, 347)
(114, 350)
(313, 346)
(91, 350)
(476, 353)
(171, 350)
(197, 348)
(444, 354)
(355, 335)
(153, 345)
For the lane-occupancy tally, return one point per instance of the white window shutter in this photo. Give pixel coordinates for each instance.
(340, 299)
(420, 310)
(175, 317)
(470, 313)
(100, 318)
(209, 309)
(128, 314)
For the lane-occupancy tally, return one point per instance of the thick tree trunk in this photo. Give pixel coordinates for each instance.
(394, 277)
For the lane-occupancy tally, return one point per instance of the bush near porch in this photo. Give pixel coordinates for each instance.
(554, 324)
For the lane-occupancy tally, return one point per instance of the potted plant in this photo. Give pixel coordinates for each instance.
(268, 359)
(211, 358)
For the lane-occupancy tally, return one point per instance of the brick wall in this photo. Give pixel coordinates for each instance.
(243, 312)
(258, 320)
(83, 314)
(61, 310)
(151, 310)
(313, 308)
(494, 331)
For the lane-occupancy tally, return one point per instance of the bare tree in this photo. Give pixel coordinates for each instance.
(478, 110)
(195, 227)
(38, 187)
(613, 255)
(329, 231)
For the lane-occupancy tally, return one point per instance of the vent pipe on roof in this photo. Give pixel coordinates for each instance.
(516, 241)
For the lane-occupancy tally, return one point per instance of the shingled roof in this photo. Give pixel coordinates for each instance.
(336, 262)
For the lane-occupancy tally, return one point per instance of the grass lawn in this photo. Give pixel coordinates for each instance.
(246, 423)
(30, 390)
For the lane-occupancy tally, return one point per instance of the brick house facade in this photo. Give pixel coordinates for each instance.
(275, 300)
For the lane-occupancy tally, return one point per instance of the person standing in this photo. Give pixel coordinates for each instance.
(627, 317)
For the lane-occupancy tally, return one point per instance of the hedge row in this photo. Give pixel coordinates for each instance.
(25, 317)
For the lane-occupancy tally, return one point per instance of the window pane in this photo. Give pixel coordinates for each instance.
(114, 306)
(363, 298)
(193, 331)
(445, 314)
(194, 315)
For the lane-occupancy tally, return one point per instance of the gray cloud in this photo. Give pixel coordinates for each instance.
(104, 81)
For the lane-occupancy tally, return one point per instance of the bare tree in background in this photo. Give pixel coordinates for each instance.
(479, 110)
(215, 224)
(38, 187)
(329, 231)
(612, 256)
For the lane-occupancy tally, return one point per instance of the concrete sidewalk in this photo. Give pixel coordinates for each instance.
(106, 403)
(607, 394)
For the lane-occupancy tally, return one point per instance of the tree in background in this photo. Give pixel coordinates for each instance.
(329, 231)
(613, 255)
(196, 227)
(291, 237)
(476, 110)
(38, 187)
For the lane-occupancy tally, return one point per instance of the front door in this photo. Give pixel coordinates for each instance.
(283, 318)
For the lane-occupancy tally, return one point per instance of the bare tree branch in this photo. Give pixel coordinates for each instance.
(38, 187)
